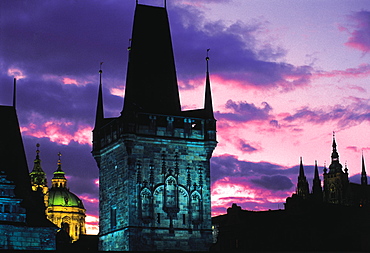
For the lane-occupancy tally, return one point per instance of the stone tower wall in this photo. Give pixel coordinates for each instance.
(155, 187)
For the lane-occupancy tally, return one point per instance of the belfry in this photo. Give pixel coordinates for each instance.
(154, 159)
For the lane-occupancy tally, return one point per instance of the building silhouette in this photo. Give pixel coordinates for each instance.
(335, 217)
(62, 207)
(154, 159)
(337, 189)
(23, 224)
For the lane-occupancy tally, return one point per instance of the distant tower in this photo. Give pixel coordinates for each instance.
(302, 185)
(65, 209)
(154, 159)
(316, 186)
(335, 181)
(363, 172)
(38, 177)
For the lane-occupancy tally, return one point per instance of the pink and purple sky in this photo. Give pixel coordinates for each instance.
(284, 74)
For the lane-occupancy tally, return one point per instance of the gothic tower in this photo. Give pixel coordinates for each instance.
(154, 159)
(336, 180)
(38, 177)
(316, 186)
(302, 185)
(363, 172)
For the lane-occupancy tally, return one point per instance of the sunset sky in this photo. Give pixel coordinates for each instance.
(284, 75)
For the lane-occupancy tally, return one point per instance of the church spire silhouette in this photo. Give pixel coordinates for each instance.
(302, 185)
(208, 106)
(316, 186)
(363, 172)
(100, 107)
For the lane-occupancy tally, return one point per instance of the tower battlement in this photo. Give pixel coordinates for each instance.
(155, 125)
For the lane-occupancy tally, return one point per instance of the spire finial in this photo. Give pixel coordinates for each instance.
(208, 105)
(207, 59)
(14, 92)
(334, 143)
(363, 171)
(301, 169)
(37, 150)
(59, 162)
(100, 70)
(99, 108)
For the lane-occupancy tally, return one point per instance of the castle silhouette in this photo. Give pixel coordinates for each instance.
(335, 217)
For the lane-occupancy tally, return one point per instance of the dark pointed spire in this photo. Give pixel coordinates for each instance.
(316, 176)
(301, 169)
(335, 166)
(302, 185)
(316, 186)
(15, 93)
(151, 84)
(334, 155)
(100, 107)
(363, 172)
(208, 105)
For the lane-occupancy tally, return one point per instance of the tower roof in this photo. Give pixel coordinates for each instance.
(208, 105)
(59, 179)
(151, 84)
(100, 107)
(38, 176)
(12, 156)
(363, 172)
(14, 164)
(335, 165)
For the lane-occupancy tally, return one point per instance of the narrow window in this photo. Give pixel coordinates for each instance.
(183, 219)
(158, 218)
(113, 218)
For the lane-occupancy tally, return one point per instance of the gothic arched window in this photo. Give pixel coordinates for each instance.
(171, 192)
(195, 207)
(146, 199)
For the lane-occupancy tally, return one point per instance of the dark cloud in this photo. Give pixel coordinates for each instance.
(345, 115)
(276, 182)
(274, 123)
(230, 166)
(246, 147)
(261, 174)
(64, 37)
(244, 112)
(360, 31)
(234, 52)
(257, 204)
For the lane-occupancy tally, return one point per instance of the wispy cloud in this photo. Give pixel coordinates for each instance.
(244, 112)
(359, 31)
(343, 115)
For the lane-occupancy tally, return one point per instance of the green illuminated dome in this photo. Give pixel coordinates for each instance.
(60, 196)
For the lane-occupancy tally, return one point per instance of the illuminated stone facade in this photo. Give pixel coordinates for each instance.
(154, 159)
